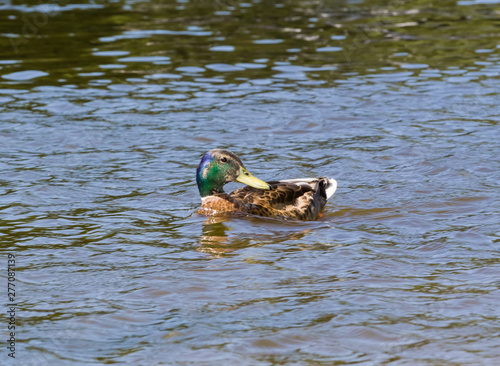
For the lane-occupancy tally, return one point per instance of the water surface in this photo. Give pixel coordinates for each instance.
(106, 109)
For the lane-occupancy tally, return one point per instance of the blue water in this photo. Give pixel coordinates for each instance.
(107, 109)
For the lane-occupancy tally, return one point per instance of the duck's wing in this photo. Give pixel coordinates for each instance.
(328, 185)
(300, 199)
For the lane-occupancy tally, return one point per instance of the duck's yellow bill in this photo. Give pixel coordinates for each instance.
(246, 178)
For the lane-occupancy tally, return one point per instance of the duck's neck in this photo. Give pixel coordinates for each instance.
(209, 182)
(207, 190)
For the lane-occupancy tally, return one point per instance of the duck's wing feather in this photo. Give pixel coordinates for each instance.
(329, 185)
(300, 199)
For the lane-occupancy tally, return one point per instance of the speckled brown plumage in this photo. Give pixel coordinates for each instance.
(293, 199)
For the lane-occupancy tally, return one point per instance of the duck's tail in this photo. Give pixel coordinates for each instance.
(329, 185)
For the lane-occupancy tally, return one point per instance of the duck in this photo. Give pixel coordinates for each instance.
(290, 199)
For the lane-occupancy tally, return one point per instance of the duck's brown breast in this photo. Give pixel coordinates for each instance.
(216, 205)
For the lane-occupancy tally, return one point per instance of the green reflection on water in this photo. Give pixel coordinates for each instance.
(331, 37)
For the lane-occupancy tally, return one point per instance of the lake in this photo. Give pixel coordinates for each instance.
(106, 108)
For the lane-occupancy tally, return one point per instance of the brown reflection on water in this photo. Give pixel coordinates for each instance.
(214, 237)
(220, 238)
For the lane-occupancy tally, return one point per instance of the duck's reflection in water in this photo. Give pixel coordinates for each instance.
(218, 238)
(214, 238)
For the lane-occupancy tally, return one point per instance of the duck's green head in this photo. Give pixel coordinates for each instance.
(218, 167)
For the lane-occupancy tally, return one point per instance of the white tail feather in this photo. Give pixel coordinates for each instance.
(330, 188)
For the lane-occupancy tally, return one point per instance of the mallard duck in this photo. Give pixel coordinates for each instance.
(300, 199)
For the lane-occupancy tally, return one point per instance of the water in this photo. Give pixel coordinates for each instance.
(106, 109)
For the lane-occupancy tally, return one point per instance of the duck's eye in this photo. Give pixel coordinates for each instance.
(223, 160)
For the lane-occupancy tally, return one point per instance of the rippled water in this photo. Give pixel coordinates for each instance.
(106, 108)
